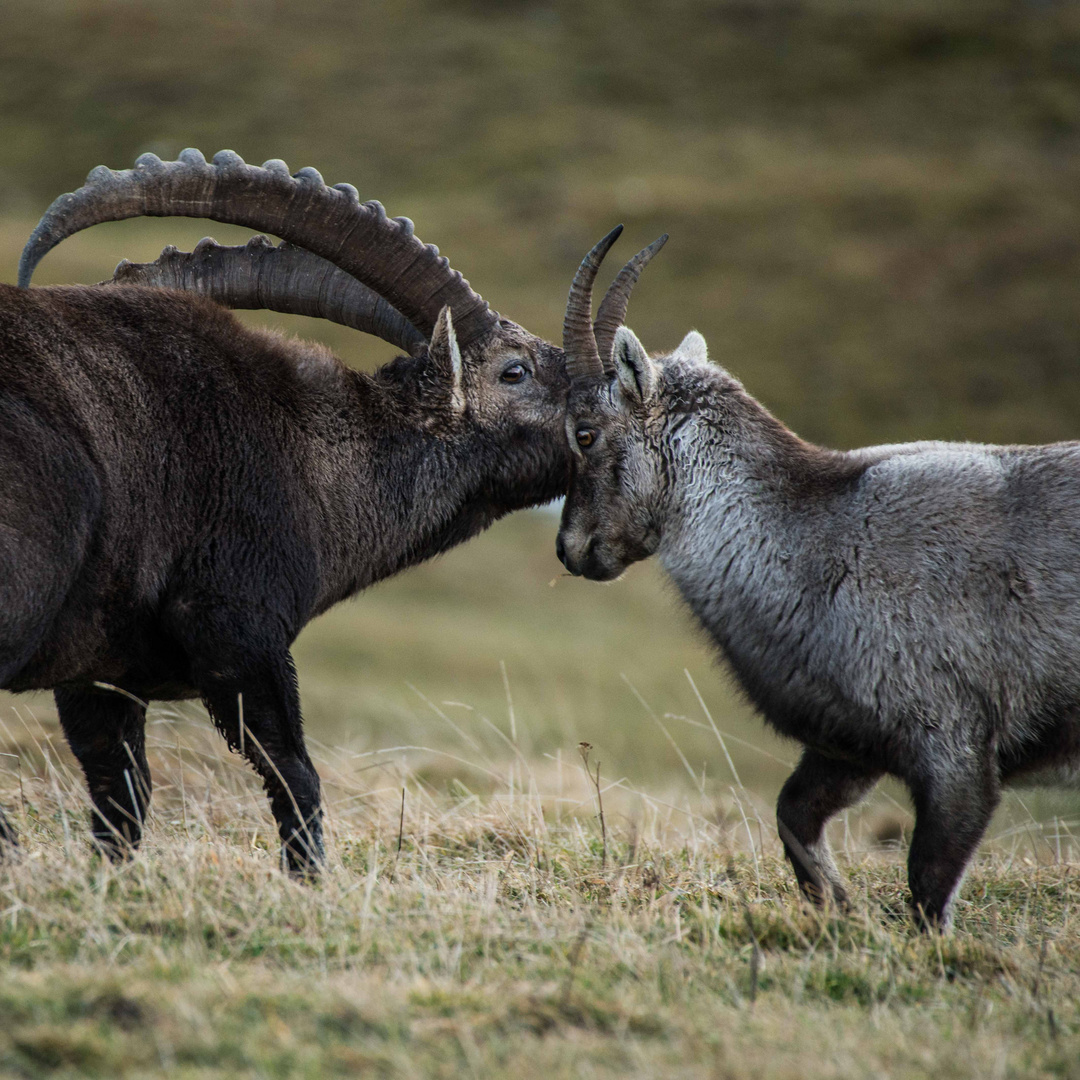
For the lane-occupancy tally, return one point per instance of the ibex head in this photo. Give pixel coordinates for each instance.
(342, 260)
(613, 418)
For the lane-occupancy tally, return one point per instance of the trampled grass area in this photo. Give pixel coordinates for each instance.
(503, 936)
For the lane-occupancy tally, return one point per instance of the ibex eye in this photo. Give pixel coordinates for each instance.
(585, 436)
(515, 373)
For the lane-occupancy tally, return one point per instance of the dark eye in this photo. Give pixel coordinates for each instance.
(585, 436)
(515, 373)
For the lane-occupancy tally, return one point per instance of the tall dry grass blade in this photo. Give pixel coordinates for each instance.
(715, 729)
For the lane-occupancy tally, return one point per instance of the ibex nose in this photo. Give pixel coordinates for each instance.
(560, 550)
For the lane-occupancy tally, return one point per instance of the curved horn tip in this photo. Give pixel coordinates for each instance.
(308, 175)
(225, 159)
(603, 245)
(591, 263)
(613, 307)
(191, 156)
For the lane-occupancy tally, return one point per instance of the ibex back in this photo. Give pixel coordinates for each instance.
(911, 610)
(179, 494)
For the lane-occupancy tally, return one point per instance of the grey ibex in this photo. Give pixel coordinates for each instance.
(180, 494)
(910, 610)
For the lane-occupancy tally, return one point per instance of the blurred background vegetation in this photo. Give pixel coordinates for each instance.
(875, 218)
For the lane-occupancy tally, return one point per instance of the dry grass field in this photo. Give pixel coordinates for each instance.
(492, 925)
(455, 935)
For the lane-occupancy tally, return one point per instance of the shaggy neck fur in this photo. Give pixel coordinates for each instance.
(742, 516)
(848, 590)
(399, 485)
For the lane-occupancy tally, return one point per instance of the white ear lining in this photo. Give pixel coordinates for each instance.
(636, 372)
(444, 337)
(694, 348)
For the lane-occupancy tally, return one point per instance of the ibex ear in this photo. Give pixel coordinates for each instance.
(693, 348)
(636, 372)
(445, 353)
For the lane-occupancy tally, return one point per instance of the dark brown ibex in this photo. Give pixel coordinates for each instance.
(910, 610)
(180, 494)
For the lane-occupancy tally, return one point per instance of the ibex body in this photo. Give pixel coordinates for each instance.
(180, 494)
(911, 610)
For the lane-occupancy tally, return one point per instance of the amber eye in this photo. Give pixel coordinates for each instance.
(515, 373)
(585, 436)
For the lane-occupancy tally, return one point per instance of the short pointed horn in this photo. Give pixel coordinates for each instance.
(613, 307)
(332, 222)
(285, 278)
(579, 341)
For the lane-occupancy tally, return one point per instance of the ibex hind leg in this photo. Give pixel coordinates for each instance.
(9, 838)
(49, 501)
(106, 732)
(819, 788)
(35, 576)
(19, 640)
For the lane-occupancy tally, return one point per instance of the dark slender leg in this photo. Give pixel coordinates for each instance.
(818, 788)
(273, 741)
(106, 732)
(952, 810)
(237, 665)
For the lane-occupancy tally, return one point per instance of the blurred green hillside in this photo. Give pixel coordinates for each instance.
(875, 217)
(873, 203)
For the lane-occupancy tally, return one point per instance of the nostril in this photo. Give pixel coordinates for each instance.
(560, 549)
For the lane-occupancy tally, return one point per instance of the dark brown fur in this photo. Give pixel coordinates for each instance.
(179, 495)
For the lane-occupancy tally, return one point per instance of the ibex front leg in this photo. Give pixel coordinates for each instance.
(954, 801)
(272, 740)
(242, 669)
(819, 788)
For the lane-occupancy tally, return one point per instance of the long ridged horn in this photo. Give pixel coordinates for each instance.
(579, 341)
(332, 222)
(613, 307)
(285, 278)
